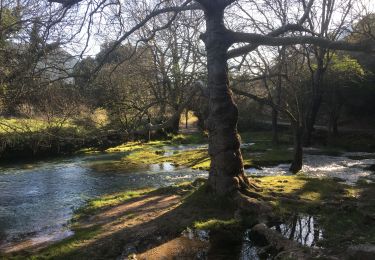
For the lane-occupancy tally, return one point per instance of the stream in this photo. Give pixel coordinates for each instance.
(38, 199)
(347, 167)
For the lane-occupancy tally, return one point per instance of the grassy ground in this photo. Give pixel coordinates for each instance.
(346, 214)
(19, 126)
(149, 218)
(146, 219)
(33, 138)
(261, 153)
(107, 225)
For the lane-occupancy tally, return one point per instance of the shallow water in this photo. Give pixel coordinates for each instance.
(37, 200)
(349, 167)
(301, 228)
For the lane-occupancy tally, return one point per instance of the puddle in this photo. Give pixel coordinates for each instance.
(224, 245)
(303, 229)
(198, 234)
(165, 167)
(249, 251)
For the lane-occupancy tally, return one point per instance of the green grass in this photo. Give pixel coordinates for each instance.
(142, 154)
(196, 138)
(263, 140)
(26, 125)
(37, 138)
(95, 205)
(343, 212)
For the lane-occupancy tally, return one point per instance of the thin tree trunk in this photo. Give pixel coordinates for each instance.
(275, 112)
(275, 129)
(226, 171)
(186, 118)
(335, 127)
(296, 165)
(175, 126)
(316, 101)
(311, 119)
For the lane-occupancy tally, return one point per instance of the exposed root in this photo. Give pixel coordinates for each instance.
(285, 248)
(249, 204)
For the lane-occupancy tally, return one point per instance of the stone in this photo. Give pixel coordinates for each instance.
(361, 252)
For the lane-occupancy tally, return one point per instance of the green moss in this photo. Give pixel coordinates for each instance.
(194, 138)
(196, 159)
(263, 140)
(270, 157)
(343, 212)
(305, 188)
(151, 153)
(183, 188)
(216, 224)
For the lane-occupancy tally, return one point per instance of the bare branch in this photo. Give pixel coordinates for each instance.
(258, 39)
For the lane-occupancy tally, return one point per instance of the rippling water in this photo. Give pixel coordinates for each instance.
(349, 167)
(37, 200)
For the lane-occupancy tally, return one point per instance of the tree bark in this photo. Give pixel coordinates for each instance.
(226, 171)
(316, 101)
(311, 119)
(275, 129)
(275, 112)
(296, 165)
(335, 128)
(186, 118)
(175, 125)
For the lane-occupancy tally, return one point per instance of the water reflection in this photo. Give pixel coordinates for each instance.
(165, 166)
(303, 229)
(249, 250)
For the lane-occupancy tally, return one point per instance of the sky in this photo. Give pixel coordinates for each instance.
(96, 39)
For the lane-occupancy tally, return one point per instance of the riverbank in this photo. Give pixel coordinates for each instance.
(33, 139)
(315, 212)
(324, 217)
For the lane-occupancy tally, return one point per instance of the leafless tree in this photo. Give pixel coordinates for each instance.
(222, 43)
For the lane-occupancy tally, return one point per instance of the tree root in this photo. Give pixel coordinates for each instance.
(251, 203)
(285, 248)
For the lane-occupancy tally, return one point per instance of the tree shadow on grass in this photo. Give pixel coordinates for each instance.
(138, 224)
(344, 214)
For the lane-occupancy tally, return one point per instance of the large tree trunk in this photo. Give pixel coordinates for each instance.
(226, 171)
(296, 165)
